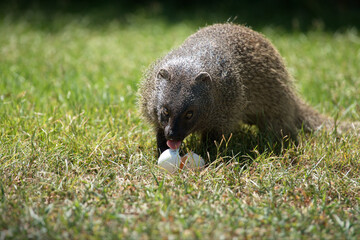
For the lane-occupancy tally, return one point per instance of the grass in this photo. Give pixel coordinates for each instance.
(77, 161)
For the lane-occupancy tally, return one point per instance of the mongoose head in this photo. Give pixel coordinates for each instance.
(183, 103)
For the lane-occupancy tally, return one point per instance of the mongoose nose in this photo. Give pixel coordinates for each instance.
(170, 134)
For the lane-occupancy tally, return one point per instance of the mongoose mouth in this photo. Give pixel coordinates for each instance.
(173, 144)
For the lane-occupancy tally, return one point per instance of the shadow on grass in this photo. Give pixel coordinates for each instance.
(289, 15)
(243, 146)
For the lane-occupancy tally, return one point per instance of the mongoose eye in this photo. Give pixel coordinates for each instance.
(165, 112)
(189, 115)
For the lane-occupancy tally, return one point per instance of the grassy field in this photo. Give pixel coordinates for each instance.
(77, 161)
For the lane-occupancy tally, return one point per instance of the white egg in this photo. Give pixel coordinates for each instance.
(192, 161)
(169, 160)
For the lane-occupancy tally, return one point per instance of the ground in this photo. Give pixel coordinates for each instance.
(78, 162)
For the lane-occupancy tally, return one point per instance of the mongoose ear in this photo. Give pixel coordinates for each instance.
(203, 76)
(163, 74)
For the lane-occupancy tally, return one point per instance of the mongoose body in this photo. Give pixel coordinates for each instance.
(222, 75)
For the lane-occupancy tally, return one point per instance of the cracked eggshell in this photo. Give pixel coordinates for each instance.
(192, 161)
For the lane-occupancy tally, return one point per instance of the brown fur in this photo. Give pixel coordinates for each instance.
(225, 74)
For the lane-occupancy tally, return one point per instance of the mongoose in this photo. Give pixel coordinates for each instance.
(222, 75)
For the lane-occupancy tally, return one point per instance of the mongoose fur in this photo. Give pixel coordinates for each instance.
(222, 75)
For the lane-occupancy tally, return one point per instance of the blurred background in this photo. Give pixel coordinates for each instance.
(289, 15)
(108, 44)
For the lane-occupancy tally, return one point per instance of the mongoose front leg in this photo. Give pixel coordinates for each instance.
(161, 141)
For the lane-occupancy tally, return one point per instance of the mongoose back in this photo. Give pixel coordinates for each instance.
(222, 75)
